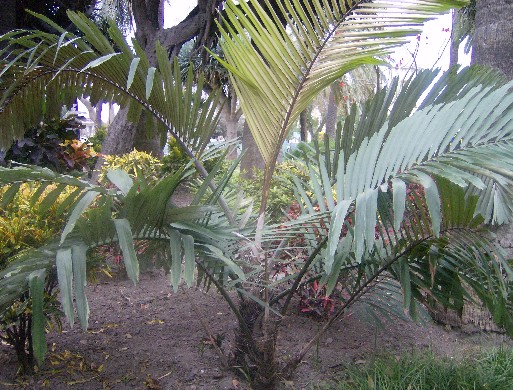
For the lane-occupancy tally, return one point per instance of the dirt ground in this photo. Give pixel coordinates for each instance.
(146, 336)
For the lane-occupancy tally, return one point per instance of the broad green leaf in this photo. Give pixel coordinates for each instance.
(80, 207)
(131, 72)
(175, 243)
(99, 61)
(64, 265)
(189, 258)
(126, 243)
(120, 179)
(337, 222)
(37, 292)
(218, 254)
(79, 259)
(399, 193)
(10, 194)
(149, 82)
(432, 201)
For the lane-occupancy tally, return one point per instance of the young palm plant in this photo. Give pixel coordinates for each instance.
(397, 199)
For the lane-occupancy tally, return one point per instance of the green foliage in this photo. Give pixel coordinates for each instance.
(53, 144)
(176, 159)
(361, 231)
(489, 370)
(97, 139)
(24, 225)
(281, 192)
(135, 164)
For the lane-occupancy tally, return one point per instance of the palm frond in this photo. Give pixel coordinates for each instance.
(278, 69)
(466, 141)
(44, 71)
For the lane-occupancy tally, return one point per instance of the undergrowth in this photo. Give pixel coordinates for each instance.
(423, 371)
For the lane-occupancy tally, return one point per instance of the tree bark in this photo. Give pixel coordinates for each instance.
(230, 116)
(455, 42)
(492, 46)
(332, 112)
(123, 136)
(493, 36)
(252, 160)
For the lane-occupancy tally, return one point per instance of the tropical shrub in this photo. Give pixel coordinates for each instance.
(176, 159)
(96, 140)
(134, 163)
(53, 144)
(361, 234)
(281, 191)
(27, 223)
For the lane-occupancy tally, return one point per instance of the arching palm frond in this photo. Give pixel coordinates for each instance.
(134, 210)
(44, 71)
(466, 140)
(403, 202)
(277, 70)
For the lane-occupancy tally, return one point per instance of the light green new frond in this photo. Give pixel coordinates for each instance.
(278, 69)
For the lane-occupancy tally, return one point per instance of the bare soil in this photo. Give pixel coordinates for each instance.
(147, 337)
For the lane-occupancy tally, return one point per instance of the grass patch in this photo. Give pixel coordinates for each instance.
(491, 370)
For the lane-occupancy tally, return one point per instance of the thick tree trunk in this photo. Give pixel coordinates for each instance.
(492, 46)
(493, 37)
(148, 19)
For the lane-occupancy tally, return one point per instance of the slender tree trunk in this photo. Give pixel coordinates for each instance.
(332, 112)
(305, 123)
(455, 42)
(230, 115)
(98, 118)
(252, 160)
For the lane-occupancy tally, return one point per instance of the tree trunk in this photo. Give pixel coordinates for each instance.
(332, 112)
(98, 118)
(305, 123)
(492, 46)
(252, 160)
(230, 115)
(493, 36)
(455, 42)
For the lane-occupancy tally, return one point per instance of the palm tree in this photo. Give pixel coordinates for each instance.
(395, 202)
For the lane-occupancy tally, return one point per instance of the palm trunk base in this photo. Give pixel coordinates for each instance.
(255, 354)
